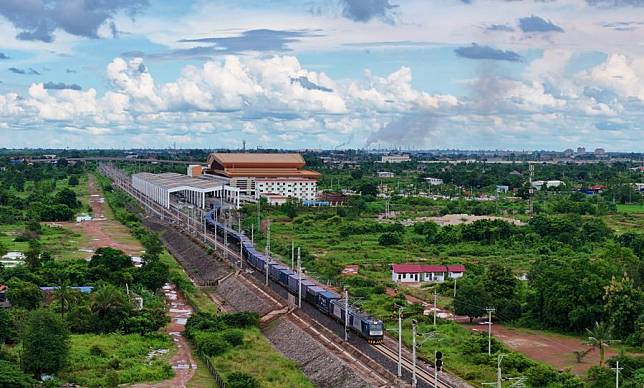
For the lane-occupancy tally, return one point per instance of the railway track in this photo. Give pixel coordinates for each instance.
(378, 373)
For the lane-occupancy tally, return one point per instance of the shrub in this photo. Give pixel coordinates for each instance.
(235, 337)
(241, 380)
(387, 239)
(211, 344)
(96, 351)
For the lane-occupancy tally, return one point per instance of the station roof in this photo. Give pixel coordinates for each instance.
(260, 165)
(171, 180)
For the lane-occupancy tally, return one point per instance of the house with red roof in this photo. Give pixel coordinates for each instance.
(416, 273)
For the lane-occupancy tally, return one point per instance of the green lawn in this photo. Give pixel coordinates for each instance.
(102, 360)
(633, 208)
(258, 358)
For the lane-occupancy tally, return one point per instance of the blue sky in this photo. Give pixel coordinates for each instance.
(323, 74)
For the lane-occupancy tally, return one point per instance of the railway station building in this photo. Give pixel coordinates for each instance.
(264, 174)
(172, 188)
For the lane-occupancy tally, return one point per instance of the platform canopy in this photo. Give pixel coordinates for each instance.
(158, 187)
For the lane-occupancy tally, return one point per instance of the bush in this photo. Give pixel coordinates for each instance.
(211, 344)
(241, 380)
(11, 376)
(387, 239)
(96, 351)
(235, 337)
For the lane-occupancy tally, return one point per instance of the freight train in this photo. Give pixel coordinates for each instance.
(328, 302)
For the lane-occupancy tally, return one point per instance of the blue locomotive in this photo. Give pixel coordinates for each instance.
(328, 302)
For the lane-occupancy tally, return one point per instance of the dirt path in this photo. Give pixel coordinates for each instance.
(183, 364)
(103, 232)
(107, 232)
(553, 349)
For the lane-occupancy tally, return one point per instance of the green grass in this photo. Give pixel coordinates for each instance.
(633, 208)
(195, 296)
(258, 358)
(60, 242)
(120, 358)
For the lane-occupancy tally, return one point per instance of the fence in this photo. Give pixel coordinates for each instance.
(220, 382)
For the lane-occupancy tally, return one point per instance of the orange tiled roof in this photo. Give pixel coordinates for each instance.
(259, 160)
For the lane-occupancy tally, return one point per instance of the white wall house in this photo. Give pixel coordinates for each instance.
(416, 273)
(394, 158)
(385, 174)
(548, 184)
(434, 181)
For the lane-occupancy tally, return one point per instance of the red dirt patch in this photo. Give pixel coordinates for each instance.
(552, 349)
(101, 230)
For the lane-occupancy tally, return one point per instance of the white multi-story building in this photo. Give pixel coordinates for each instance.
(434, 181)
(257, 174)
(395, 158)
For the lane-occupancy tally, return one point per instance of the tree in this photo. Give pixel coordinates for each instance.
(73, 180)
(32, 256)
(599, 337)
(111, 265)
(290, 207)
(5, 326)
(67, 197)
(471, 298)
(390, 238)
(624, 304)
(110, 307)
(368, 188)
(23, 294)
(45, 343)
(153, 275)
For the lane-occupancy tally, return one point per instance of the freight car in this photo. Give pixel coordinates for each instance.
(328, 302)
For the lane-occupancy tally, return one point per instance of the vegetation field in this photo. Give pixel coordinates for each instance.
(60, 242)
(111, 359)
(631, 208)
(257, 358)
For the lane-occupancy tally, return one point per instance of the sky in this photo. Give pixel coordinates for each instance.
(332, 74)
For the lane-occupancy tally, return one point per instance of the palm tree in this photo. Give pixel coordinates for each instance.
(599, 337)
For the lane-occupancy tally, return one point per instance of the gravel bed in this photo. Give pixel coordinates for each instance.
(321, 367)
(195, 260)
(241, 298)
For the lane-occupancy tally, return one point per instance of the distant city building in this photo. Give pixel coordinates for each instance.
(548, 184)
(515, 173)
(434, 181)
(395, 158)
(385, 174)
(416, 273)
(568, 152)
(581, 150)
(600, 152)
(259, 174)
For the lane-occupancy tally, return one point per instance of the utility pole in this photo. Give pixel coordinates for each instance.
(498, 371)
(252, 234)
(531, 189)
(413, 356)
(434, 307)
(259, 219)
(346, 314)
(293, 254)
(400, 310)
(454, 287)
(226, 236)
(617, 369)
(489, 329)
(299, 282)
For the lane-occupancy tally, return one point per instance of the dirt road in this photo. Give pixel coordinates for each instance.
(103, 232)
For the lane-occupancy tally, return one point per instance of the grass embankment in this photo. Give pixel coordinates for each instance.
(110, 359)
(60, 242)
(632, 208)
(255, 356)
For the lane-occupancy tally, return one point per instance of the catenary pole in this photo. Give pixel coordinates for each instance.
(617, 369)
(299, 282)
(413, 354)
(400, 309)
(346, 313)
